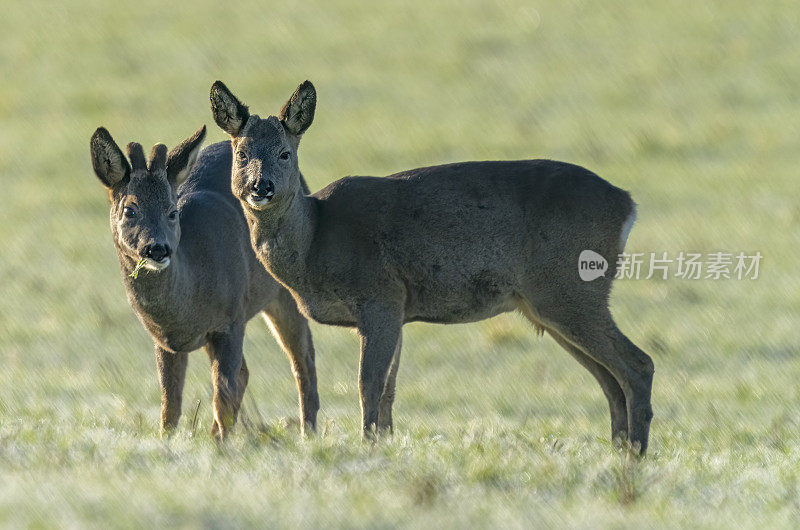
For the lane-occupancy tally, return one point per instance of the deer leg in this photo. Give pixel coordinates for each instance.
(610, 386)
(598, 336)
(387, 398)
(379, 329)
(171, 376)
(244, 378)
(241, 383)
(225, 353)
(640, 409)
(291, 330)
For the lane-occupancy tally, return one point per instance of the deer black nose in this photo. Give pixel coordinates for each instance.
(156, 252)
(263, 188)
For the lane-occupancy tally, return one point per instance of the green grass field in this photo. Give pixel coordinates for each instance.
(692, 106)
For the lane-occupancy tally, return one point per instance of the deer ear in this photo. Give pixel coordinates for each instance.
(228, 111)
(182, 158)
(298, 113)
(109, 164)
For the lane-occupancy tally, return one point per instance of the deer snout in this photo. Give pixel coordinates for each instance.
(263, 188)
(261, 192)
(157, 252)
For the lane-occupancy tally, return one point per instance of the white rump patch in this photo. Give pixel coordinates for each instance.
(626, 229)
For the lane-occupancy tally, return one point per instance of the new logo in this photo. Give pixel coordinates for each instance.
(591, 265)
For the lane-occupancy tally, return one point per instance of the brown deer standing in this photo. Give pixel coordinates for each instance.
(200, 282)
(447, 244)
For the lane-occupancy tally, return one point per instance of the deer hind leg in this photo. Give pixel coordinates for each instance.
(244, 378)
(385, 423)
(241, 386)
(598, 336)
(225, 353)
(291, 330)
(611, 388)
(591, 330)
(613, 392)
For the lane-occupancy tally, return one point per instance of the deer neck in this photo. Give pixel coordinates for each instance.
(157, 293)
(282, 238)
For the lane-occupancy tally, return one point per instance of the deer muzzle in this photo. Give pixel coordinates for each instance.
(157, 256)
(261, 193)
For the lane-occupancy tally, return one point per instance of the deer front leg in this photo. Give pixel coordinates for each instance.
(387, 398)
(228, 377)
(291, 330)
(244, 377)
(379, 329)
(171, 376)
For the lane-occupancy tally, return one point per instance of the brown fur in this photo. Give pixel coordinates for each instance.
(212, 284)
(447, 244)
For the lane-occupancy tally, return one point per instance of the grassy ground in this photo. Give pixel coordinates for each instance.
(693, 106)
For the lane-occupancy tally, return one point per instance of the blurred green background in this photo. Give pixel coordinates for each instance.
(692, 106)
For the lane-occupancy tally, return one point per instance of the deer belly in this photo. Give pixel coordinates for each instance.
(465, 299)
(178, 342)
(325, 310)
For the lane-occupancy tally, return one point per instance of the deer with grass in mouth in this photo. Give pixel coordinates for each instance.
(447, 244)
(190, 273)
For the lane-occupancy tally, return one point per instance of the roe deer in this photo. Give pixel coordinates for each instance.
(446, 244)
(200, 282)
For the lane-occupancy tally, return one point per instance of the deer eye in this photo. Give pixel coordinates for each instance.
(241, 156)
(285, 155)
(173, 215)
(129, 212)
